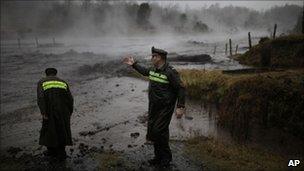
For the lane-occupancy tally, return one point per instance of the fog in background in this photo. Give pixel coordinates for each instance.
(87, 18)
(260, 5)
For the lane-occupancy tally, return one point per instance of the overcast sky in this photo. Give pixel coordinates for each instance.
(257, 5)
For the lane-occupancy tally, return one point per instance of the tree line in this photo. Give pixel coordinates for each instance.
(103, 17)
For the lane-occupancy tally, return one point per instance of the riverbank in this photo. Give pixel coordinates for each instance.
(284, 51)
(218, 155)
(109, 107)
(270, 99)
(262, 110)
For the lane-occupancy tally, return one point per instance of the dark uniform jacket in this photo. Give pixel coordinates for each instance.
(165, 91)
(56, 102)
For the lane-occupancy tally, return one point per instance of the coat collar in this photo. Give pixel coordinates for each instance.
(162, 68)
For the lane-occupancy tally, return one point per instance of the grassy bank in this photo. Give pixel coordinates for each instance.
(284, 51)
(271, 99)
(109, 160)
(216, 155)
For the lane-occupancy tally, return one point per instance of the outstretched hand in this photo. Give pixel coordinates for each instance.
(179, 112)
(128, 60)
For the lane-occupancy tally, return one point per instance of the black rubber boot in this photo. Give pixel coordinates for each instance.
(61, 154)
(50, 152)
(154, 161)
(165, 163)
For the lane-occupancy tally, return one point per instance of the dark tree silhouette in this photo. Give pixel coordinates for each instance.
(143, 14)
(303, 21)
(299, 27)
(183, 19)
(200, 27)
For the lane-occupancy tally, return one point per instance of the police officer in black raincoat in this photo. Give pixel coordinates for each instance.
(55, 102)
(165, 92)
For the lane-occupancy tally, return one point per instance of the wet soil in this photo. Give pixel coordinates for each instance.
(107, 117)
(109, 120)
(108, 123)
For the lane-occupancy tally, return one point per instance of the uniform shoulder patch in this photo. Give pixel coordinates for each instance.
(171, 67)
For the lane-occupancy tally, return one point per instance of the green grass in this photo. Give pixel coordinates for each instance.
(209, 86)
(284, 51)
(109, 160)
(217, 155)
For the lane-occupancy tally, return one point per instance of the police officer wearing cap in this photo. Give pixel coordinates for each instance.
(165, 92)
(55, 102)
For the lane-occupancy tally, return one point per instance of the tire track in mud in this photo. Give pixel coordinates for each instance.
(98, 129)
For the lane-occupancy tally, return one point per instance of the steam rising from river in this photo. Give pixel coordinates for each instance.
(102, 18)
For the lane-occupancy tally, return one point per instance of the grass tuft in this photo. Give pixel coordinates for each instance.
(284, 51)
(217, 155)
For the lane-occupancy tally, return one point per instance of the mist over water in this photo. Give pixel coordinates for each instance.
(116, 28)
(117, 46)
(91, 19)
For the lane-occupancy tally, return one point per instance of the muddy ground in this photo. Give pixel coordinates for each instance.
(109, 119)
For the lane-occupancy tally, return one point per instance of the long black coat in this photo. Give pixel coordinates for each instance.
(56, 102)
(165, 90)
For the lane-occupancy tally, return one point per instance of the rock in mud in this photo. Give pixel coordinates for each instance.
(135, 134)
(188, 117)
(14, 150)
(78, 161)
(81, 145)
(143, 118)
(94, 149)
(83, 149)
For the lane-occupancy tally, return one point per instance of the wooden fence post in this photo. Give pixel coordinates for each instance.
(230, 47)
(303, 21)
(274, 31)
(226, 48)
(37, 44)
(236, 49)
(249, 40)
